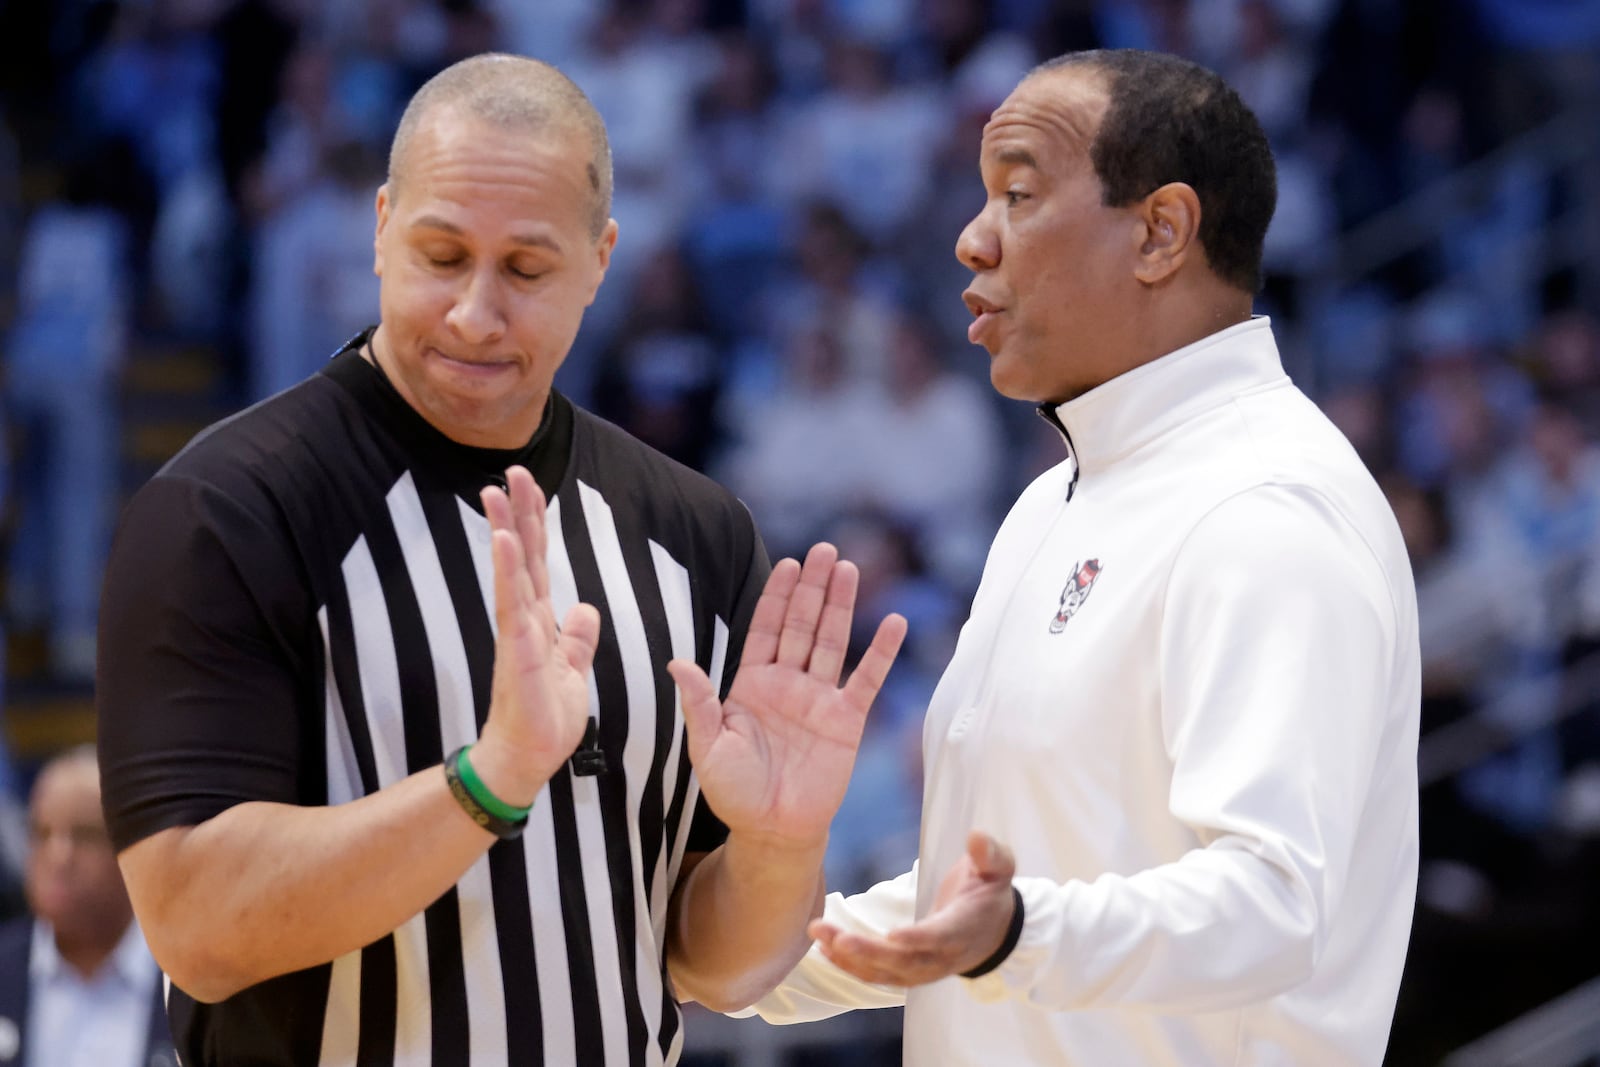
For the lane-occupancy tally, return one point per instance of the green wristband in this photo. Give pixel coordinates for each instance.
(481, 793)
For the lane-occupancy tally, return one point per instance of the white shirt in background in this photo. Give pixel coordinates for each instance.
(103, 1021)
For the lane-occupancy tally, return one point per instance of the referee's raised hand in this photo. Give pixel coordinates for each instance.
(774, 759)
(539, 704)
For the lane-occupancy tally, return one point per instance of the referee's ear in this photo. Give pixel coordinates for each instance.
(604, 245)
(381, 209)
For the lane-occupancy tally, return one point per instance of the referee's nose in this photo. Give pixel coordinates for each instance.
(477, 315)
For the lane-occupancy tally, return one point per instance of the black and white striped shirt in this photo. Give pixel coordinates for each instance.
(298, 609)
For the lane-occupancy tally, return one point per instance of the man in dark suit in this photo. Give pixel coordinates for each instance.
(78, 987)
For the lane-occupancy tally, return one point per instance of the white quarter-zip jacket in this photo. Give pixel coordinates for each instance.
(1187, 698)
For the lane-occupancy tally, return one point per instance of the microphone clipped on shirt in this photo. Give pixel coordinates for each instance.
(589, 760)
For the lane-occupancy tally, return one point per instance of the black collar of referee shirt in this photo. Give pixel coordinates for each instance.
(466, 468)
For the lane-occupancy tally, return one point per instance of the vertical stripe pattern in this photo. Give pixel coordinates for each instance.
(550, 948)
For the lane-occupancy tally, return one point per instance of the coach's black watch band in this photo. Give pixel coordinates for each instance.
(1013, 935)
(502, 823)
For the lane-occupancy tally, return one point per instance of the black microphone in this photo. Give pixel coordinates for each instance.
(589, 760)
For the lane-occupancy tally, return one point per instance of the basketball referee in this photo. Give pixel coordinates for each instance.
(372, 803)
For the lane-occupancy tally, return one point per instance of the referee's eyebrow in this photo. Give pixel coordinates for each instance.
(530, 240)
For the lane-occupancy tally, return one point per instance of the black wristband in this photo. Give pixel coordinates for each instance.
(1013, 935)
(504, 829)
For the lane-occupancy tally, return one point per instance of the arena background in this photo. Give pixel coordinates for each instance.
(185, 222)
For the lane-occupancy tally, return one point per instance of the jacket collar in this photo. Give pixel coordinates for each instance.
(1133, 409)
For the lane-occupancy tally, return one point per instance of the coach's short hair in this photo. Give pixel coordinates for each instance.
(1170, 120)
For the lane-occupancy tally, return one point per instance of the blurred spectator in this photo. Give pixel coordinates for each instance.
(78, 987)
(922, 447)
(948, 34)
(470, 28)
(799, 449)
(1056, 26)
(644, 85)
(299, 129)
(1462, 402)
(926, 252)
(735, 234)
(551, 30)
(153, 82)
(1564, 358)
(1466, 638)
(840, 286)
(661, 377)
(1361, 412)
(936, 448)
(1154, 25)
(314, 286)
(866, 144)
(1263, 58)
(1356, 337)
(1535, 531)
(190, 256)
(1432, 138)
(799, 32)
(62, 360)
(255, 39)
(1548, 59)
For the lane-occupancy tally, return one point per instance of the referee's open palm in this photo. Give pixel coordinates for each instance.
(775, 758)
(539, 705)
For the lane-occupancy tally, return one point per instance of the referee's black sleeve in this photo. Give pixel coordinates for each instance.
(195, 691)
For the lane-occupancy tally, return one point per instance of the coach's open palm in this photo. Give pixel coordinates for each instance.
(775, 758)
(967, 924)
(539, 705)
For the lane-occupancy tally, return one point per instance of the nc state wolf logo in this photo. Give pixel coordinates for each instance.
(1075, 592)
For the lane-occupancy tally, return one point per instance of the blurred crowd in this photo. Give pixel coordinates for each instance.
(783, 310)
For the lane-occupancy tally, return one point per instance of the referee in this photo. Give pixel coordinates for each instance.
(373, 804)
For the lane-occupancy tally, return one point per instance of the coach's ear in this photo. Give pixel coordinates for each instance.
(1171, 217)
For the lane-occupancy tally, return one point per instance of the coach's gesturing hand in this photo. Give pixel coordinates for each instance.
(539, 704)
(775, 757)
(971, 915)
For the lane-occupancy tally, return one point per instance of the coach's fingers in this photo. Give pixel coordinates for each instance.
(884, 961)
(991, 860)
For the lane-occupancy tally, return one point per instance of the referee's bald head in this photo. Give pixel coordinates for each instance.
(513, 93)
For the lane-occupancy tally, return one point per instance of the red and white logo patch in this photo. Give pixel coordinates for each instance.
(1075, 592)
